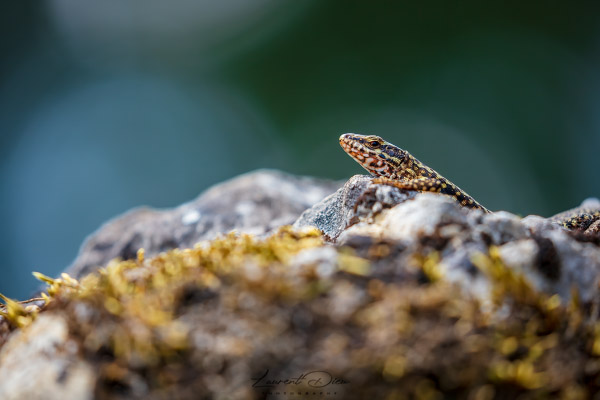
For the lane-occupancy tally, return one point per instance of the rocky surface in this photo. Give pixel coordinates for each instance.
(253, 203)
(361, 215)
(394, 295)
(41, 363)
(358, 198)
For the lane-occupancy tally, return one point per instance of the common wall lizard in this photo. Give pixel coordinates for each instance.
(396, 167)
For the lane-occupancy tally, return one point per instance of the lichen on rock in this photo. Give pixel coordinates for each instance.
(395, 295)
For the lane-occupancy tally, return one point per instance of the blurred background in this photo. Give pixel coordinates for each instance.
(109, 105)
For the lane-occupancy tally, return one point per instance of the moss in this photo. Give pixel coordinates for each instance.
(209, 321)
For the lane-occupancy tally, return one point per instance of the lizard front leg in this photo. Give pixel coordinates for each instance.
(421, 184)
(436, 185)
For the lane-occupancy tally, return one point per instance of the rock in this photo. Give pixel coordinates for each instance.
(358, 198)
(591, 202)
(411, 219)
(255, 203)
(501, 227)
(546, 254)
(43, 363)
(520, 254)
(570, 265)
(535, 223)
(405, 295)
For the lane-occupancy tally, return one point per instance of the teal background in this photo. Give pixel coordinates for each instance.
(108, 105)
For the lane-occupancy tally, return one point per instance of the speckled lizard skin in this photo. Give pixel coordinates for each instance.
(396, 167)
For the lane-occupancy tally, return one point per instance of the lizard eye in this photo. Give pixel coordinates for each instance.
(374, 144)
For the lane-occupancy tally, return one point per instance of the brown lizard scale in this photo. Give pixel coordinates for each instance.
(396, 167)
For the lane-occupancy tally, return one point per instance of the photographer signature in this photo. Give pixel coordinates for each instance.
(315, 379)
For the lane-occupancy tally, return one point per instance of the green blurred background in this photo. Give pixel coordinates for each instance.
(106, 105)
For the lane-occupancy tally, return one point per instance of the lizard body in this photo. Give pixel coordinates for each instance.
(396, 167)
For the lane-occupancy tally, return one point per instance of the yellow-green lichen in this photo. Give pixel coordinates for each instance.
(232, 308)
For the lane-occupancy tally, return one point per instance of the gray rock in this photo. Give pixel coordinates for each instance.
(41, 363)
(357, 199)
(409, 220)
(574, 265)
(255, 203)
(535, 223)
(519, 254)
(555, 263)
(546, 254)
(501, 227)
(591, 202)
(371, 295)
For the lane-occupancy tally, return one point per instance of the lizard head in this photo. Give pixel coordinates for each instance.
(375, 155)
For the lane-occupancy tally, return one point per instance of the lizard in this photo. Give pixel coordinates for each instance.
(396, 167)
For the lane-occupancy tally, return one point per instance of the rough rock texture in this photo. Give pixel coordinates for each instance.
(44, 357)
(404, 296)
(253, 203)
(552, 258)
(358, 197)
